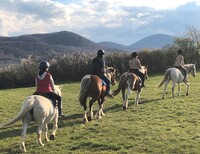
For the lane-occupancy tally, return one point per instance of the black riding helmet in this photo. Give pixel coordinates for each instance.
(180, 51)
(134, 54)
(100, 53)
(43, 65)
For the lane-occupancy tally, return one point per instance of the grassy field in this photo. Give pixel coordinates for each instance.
(155, 126)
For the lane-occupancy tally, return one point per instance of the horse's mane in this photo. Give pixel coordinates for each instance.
(110, 69)
(189, 65)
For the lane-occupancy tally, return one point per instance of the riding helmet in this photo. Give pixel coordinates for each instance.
(180, 51)
(44, 65)
(134, 54)
(100, 53)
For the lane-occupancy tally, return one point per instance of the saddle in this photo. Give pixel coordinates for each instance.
(54, 102)
(182, 72)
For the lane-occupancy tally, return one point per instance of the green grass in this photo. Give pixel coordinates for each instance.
(156, 126)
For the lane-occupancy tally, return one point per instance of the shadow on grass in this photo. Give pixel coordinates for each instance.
(145, 101)
(95, 147)
(115, 107)
(9, 132)
(71, 120)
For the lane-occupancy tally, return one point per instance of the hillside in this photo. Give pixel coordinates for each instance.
(12, 49)
(157, 41)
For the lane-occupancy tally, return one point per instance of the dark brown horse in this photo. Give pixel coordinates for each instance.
(130, 82)
(92, 86)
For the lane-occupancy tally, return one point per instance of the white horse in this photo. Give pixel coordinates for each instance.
(41, 110)
(176, 76)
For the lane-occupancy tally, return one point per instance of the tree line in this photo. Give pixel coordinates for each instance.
(73, 66)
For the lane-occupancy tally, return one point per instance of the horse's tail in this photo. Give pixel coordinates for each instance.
(167, 73)
(27, 106)
(85, 82)
(122, 81)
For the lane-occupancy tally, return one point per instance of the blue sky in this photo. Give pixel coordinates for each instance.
(119, 21)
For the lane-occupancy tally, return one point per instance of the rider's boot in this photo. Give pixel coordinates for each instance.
(60, 113)
(185, 79)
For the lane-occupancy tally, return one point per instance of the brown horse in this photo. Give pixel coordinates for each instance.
(130, 82)
(92, 86)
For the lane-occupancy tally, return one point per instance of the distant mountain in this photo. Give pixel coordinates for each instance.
(44, 45)
(112, 45)
(12, 49)
(156, 41)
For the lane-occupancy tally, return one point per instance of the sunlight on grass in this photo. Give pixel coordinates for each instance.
(155, 126)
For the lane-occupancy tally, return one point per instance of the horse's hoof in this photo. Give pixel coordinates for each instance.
(124, 108)
(89, 119)
(52, 137)
(23, 149)
(187, 94)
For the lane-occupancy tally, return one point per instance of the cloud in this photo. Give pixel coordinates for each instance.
(98, 20)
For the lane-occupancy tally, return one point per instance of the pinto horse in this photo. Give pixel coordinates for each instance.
(41, 110)
(130, 82)
(92, 86)
(176, 76)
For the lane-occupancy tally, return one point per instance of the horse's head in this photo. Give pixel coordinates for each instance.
(191, 68)
(57, 89)
(194, 73)
(145, 71)
(110, 73)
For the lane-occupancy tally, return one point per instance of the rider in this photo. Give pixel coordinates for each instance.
(179, 63)
(98, 68)
(45, 85)
(135, 66)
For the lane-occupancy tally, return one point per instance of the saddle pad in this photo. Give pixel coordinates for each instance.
(103, 83)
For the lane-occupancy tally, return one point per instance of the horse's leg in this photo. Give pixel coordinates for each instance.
(45, 132)
(124, 98)
(85, 119)
(187, 89)
(173, 87)
(39, 132)
(90, 116)
(179, 89)
(129, 91)
(165, 88)
(25, 122)
(100, 112)
(55, 126)
(137, 100)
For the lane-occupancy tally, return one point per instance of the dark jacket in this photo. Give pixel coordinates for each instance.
(98, 66)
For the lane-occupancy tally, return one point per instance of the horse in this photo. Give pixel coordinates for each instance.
(177, 77)
(40, 109)
(130, 82)
(92, 86)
